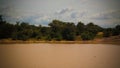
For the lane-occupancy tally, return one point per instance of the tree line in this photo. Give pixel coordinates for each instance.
(56, 30)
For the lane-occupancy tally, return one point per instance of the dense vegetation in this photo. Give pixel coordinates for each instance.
(56, 30)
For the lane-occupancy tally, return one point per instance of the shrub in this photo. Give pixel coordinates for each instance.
(87, 36)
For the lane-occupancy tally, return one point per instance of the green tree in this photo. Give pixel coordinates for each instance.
(6, 29)
(116, 30)
(69, 32)
(108, 32)
(45, 33)
(93, 28)
(23, 31)
(80, 28)
(56, 29)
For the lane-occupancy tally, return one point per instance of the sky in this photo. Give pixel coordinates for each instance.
(105, 13)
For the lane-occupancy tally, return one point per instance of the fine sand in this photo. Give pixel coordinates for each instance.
(46, 55)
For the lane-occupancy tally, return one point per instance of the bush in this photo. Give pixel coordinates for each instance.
(87, 36)
(108, 32)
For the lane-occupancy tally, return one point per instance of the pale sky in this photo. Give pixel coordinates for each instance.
(105, 13)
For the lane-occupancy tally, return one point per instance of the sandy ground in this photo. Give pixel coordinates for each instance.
(59, 56)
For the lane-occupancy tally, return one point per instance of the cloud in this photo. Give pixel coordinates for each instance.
(78, 14)
(108, 18)
(65, 10)
(44, 20)
(70, 15)
(109, 23)
(113, 14)
(44, 11)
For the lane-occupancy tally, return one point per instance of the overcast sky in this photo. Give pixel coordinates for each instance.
(105, 13)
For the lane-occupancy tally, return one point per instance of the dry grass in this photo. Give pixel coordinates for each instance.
(110, 40)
